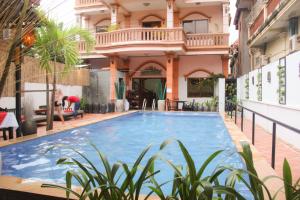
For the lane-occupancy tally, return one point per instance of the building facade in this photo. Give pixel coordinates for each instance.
(271, 81)
(174, 41)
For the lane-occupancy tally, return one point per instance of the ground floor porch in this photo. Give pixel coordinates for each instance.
(185, 78)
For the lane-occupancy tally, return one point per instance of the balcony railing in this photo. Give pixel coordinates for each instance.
(86, 3)
(157, 36)
(139, 35)
(206, 40)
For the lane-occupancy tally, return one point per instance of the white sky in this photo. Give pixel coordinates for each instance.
(63, 10)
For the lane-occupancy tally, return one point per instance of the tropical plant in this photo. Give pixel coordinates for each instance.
(83, 103)
(214, 103)
(119, 181)
(120, 89)
(292, 191)
(259, 86)
(112, 184)
(161, 91)
(282, 80)
(191, 183)
(53, 41)
(112, 27)
(247, 87)
(207, 105)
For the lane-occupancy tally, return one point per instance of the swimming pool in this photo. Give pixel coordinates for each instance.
(122, 139)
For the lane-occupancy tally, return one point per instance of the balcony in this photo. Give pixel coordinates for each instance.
(87, 3)
(271, 6)
(156, 39)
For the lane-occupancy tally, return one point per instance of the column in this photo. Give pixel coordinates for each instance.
(175, 77)
(113, 62)
(127, 78)
(225, 60)
(170, 75)
(114, 14)
(79, 20)
(170, 13)
(226, 18)
(127, 21)
(85, 23)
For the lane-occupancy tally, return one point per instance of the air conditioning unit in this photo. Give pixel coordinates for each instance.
(264, 60)
(294, 44)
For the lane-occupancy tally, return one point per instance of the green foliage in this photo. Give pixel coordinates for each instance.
(83, 103)
(247, 87)
(56, 43)
(112, 27)
(259, 86)
(120, 89)
(119, 181)
(282, 80)
(161, 91)
(292, 192)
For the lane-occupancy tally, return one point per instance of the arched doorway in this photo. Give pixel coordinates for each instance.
(145, 80)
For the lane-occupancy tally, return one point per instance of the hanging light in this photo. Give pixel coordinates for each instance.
(29, 39)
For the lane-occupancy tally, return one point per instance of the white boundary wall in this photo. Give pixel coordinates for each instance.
(39, 98)
(269, 106)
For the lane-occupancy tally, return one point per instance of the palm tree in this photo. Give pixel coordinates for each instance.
(56, 43)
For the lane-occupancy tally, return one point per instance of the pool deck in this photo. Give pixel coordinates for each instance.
(14, 183)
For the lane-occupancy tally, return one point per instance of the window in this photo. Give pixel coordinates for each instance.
(293, 26)
(195, 26)
(200, 87)
(152, 24)
(100, 29)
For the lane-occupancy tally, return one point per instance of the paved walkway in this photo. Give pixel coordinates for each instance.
(263, 143)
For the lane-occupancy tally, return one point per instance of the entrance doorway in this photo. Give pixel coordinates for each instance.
(145, 88)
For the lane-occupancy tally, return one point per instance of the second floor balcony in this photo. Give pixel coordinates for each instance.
(158, 39)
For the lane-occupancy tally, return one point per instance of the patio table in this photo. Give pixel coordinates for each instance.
(9, 122)
(178, 102)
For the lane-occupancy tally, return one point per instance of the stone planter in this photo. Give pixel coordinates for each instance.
(161, 105)
(119, 105)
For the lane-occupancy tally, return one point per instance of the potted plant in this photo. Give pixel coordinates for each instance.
(207, 106)
(161, 92)
(28, 126)
(120, 89)
(214, 104)
(83, 104)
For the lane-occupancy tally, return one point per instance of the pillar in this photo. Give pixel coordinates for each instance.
(226, 18)
(225, 60)
(85, 23)
(127, 21)
(113, 62)
(114, 14)
(170, 13)
(176, 19)
(79, 20)
(172, 77)
(127, 75)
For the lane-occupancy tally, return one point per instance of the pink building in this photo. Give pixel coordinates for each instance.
(179, 42)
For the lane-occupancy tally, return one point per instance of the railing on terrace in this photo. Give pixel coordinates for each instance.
(157, 36)
(233, 107)
(206, 39)
(83, 3)
(139, 35)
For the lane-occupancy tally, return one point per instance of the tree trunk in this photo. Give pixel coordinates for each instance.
(53, 95)
(47, 102)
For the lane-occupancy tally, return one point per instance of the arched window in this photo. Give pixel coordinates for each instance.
(195, 22)
(151, 21)
(102, 25)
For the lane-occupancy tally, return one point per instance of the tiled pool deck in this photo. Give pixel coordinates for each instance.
(14, 183)
(263, 143)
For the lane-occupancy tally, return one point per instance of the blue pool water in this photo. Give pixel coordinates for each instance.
(122, 139)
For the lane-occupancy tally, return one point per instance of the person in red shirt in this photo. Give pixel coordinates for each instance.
(71, 100)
